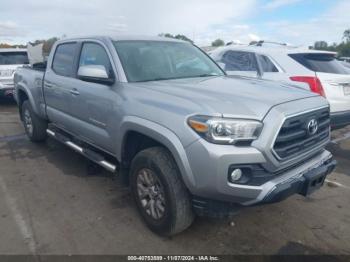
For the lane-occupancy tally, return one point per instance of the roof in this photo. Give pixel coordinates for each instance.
(12, 50)
(267, 50)
(125, 38)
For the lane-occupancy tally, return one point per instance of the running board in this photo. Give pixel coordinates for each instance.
(88, 153)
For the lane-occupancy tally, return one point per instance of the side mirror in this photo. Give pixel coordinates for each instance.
(95, 73)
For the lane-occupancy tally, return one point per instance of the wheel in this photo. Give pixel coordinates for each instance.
(34, 126)
(161, 197)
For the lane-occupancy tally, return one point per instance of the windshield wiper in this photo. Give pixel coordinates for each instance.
(156, 79)
(172, 78)
(207, 75)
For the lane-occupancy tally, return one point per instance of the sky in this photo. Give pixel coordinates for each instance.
(298, 22)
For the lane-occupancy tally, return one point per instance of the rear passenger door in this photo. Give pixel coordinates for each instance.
(270, 70)
(58, 82)
(239, 63)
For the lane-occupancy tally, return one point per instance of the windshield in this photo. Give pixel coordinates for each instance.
(161, 60)
(13, 58)
(321, 62)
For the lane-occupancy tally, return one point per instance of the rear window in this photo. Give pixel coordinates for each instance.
(13, 58)
(323, 63)
(64, 58)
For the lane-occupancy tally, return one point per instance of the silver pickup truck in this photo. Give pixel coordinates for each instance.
(189, 139)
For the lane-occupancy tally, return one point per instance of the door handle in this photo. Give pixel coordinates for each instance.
(48, 85)
(74, 91)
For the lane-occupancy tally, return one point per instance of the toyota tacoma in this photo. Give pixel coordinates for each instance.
(189, 139)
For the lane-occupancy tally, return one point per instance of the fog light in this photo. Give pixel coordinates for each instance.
(236, 175)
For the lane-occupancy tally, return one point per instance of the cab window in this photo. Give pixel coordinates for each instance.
(63, 61)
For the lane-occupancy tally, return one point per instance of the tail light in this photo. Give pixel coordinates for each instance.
(313, 82)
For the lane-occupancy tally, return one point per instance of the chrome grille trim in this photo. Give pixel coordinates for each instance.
(323, 134)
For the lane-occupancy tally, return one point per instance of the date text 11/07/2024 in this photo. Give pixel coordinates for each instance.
(174, 258)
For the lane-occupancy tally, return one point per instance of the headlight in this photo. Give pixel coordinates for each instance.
(225, 130)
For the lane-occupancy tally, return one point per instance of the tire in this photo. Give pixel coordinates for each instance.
(168, 191)
(34, 126)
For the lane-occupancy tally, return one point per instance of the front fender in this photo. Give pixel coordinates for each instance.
(164, 136)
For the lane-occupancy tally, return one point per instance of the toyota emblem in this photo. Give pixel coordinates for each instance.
(312, 127)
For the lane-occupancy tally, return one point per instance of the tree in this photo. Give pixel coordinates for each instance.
(4, 45)
(48, 43)
(346, 35)
(184, 38)
(218, 42)
(321, 45)
(178, 36)
(344, 49)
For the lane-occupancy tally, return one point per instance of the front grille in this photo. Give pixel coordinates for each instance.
(294, 137)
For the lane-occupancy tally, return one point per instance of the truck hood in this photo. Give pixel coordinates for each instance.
(228, 96)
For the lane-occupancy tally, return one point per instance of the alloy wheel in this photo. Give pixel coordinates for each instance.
(151, 193)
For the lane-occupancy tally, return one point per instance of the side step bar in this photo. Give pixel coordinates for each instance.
(88, 153)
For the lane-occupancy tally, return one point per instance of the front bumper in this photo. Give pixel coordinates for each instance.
(211, 164)
(340, 119)
(303, 183)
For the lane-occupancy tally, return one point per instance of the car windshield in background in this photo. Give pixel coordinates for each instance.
(320, 62)
(13, 58)
(162, 60)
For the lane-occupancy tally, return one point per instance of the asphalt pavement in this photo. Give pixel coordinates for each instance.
(53, 202)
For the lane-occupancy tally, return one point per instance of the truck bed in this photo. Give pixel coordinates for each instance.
(31, 78)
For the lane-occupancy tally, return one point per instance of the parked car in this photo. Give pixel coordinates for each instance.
(318, 71)
(346, 64)
(10, 60)
(344, 59)
(189, 139)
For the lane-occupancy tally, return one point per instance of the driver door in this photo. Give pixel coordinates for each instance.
(92, 104)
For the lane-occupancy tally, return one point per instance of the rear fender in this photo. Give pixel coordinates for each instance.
(25, 89)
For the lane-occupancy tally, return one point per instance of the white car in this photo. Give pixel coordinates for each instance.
(346, 64)
(10, 60)
(318, 71)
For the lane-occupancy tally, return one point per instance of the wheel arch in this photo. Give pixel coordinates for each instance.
(23, 94)
(156, 135)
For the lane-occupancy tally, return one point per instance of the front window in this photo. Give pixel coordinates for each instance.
(13, 58)
(239, 63)
(95, 54)
(162, 60)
